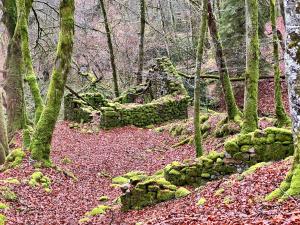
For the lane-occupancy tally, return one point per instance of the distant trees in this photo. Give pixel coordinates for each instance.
(142, 40)
(111, 49)
(233, 112)
(282, 118)
(252, 68)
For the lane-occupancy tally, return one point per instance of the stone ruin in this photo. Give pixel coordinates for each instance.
(162, 98)
(241, 152)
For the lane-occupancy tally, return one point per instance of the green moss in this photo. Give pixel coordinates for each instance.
(253, 168)
(294, 189)
(66, 160)
(41, 140)
(8, 194)
(38, 179)
(11, 181)
(219, 192)
(2, 219)
(103, 199)
(120, 180)
(201, 202)
(99, 210)
(244, 139)
(3, 206)
(228, 200)
(165, 195)
(213, 155)
(84, 220)
(205, 175)
(231, 146)
(182, 192)
(275, 130)
(15, 158)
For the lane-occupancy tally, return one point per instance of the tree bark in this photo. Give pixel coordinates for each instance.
(142, 40)
(200, 51)
(111, 49)
(23, 9)
(233, 112)
(41, 141)
(282, 118)
(4, 149)
(291, 185)
(252, 68)
(13, 85)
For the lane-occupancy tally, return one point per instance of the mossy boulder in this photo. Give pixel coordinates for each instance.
(14, 158)
(38, 179)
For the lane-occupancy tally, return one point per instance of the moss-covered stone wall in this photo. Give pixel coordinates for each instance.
(80, 109)
(158, 111)
(140, 190)
(199, 171)
(266, 145)
(241, 152)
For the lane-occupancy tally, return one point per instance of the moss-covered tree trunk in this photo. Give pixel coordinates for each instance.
(252, 68)
(13, 86)
(291, 185)
(142, 40)
(111, 49)
(233, 112)
(41, 141)
(282, 118)
(4, 149)
(200, 51)
(23, 9)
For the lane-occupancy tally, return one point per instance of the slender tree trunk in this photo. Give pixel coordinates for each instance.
(291, 185)
(233, 112)
(252, 68)
(41, 141)
(200, 51)
(163, 24)
(142, 40)
(282, 118)
(4, 149)
(111, 49)
(23, 10)
(14, 77)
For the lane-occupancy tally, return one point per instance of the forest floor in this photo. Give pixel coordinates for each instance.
(95, 158)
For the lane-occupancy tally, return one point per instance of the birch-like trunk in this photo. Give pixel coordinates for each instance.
(291, 185)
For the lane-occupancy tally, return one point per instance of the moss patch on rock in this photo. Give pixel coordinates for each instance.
(14, 158)
(270, 144)
(182, 192)
(38, 179)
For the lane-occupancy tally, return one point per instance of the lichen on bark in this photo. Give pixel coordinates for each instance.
(291, 185)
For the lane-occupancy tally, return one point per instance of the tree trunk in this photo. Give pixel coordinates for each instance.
(111, 49)
(41, 141)
(14, 76)
(291, 185)
(23, 10)
(282, 118)
(252, 68)
(200, 51)
(233, 112)
(142, 39)
(4, 149)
